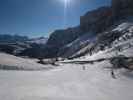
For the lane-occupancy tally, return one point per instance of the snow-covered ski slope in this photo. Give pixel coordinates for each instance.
(69, 82)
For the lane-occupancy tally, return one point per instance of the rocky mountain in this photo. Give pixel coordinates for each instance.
(76, 45)
(111, 39)
(91, 23)
(22, 45)
(97, 31)
(59, 38)
(97, 20)
(100, 23)
(35, 49)
(5, 38)
(13, 44)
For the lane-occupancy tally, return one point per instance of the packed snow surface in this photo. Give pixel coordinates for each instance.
(67, 82)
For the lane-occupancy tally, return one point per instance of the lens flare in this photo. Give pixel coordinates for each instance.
(66, 4)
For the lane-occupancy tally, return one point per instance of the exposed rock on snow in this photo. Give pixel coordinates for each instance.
(81, 42)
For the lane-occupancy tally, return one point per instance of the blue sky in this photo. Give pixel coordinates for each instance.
(41, 17)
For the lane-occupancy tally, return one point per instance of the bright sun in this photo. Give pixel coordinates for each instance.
(66, 2)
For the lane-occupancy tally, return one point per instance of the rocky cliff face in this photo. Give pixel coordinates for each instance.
(97, 20)
(93, 22)
(59, 38)
(63, 37)
(122, 8)
(112, 38)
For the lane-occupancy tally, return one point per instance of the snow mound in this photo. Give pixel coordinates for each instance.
(12, 62)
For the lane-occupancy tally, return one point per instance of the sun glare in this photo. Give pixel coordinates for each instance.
(65, 1)
(66, 4)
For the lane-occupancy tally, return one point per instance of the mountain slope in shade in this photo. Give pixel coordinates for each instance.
(121, 31)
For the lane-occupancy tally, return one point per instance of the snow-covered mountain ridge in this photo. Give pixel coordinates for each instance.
(119, 34)
(101, 22)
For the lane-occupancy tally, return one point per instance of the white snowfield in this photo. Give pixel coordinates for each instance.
(70, 82)
(20, 63)
(67, 82)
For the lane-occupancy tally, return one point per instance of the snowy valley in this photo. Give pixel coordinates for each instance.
(92, 61)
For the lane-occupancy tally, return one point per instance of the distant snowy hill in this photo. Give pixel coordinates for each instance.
(40, 40)
(16, 45)
(6, 38)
